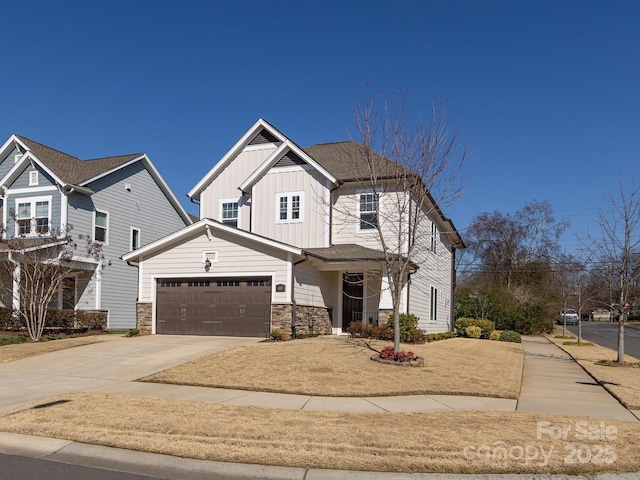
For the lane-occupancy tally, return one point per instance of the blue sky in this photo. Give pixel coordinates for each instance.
(548, 91)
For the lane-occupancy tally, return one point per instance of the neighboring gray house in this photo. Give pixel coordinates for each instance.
(285, 240)
(121, 202)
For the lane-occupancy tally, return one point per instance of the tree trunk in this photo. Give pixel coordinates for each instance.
(621, 338)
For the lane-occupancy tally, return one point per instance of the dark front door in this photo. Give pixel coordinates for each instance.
(352, 297)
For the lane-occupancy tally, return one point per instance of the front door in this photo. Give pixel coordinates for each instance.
(352, 298)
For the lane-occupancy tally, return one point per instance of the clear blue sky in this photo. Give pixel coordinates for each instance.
(548, 91)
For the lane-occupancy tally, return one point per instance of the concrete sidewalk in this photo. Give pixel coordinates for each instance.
(552, 382)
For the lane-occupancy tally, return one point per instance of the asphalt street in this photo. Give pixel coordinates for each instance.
(606, 334)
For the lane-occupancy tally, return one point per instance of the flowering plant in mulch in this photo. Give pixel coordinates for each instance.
(390, 354)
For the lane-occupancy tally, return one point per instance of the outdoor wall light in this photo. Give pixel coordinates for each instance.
(207, 264)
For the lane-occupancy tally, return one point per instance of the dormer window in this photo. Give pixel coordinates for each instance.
(33, 178)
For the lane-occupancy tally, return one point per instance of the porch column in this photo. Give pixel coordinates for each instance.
(16, 286)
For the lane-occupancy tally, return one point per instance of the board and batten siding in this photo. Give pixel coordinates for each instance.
(225, 184)
(313, 229)
(234, 257)
(144, 207)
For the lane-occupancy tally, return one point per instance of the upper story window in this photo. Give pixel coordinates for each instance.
(101, 227)
(368, 204)
(33, 216)
(289, 207)
(434, 236)
(135, 238)
(229, 212)
(33, 178)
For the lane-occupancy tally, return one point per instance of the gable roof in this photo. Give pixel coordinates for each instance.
(233, 152)
(350, 161)
(71, 172)
(206, 224)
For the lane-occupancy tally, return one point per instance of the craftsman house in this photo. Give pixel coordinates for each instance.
(276, 248)
(119, 202)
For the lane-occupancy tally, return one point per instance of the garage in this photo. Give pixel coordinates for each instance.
(219, 306)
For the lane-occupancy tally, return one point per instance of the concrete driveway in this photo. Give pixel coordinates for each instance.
(114, 361)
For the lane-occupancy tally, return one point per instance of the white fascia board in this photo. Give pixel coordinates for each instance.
(114, 169)
(286, 146)
(27, 158)
(264, 167)
(206, 224)
(8, 145)
(233, 153)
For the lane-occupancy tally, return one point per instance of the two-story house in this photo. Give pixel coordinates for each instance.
(285, 240)
(120, 202)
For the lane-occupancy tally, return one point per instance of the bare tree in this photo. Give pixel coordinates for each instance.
(37, 268)
(411, 169)
(617, 245)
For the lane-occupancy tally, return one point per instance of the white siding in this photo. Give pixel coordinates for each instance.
(314, 288)
(226, 183)
(313, 229)
(236, 256)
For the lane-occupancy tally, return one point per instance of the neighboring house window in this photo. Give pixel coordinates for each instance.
(434, 236)
(135, 238)
(289, 207)
(101, 226)
(33, 216)
(433, 311)
(33, 178)
(229, 213)
(368, 210)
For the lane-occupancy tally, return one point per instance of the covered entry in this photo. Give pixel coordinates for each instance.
(225, 306)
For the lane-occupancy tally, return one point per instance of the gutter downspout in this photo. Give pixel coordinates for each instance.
(293, 297)
(452, 311)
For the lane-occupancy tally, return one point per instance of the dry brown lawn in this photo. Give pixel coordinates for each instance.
(342, 367)
(458, 442)
(9, 353)
(621, 382)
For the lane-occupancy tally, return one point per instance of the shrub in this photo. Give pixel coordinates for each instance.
(473, 331)
(495, 335)
(365, 330)
(486, 326)
(134, 332)
(434, 337)
(510, 336)
(276, 336)
(408, 326)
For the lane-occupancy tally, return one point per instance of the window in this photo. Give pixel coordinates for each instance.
(289, 207)
(433, 311)
(164, 283)
(434, 237)
(33, 216)
(230, 213)
(204, 283)
(135, 238)
(228, 283)
(33, 178)
(368, 210)
(101, 226)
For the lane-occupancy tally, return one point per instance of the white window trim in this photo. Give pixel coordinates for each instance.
(34, 178)
(131, 246)
(358, 194)
(289, 196)
(229, 200)
(32, 201)
(93, 229)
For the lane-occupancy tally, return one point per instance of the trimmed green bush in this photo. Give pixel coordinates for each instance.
(434, 337)
(408, 327)
(276, 336)
(510, 336)
(486, 326)
(495, 335)
(473, 331)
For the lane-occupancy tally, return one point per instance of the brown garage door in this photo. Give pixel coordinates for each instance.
(231, 307)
